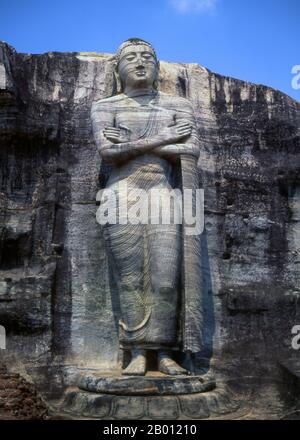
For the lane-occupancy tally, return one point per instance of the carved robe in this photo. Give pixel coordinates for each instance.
(156, 266)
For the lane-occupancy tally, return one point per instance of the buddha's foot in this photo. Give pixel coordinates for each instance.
(137, 366)
(168, 366)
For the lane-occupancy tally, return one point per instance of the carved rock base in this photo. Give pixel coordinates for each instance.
(219, 403)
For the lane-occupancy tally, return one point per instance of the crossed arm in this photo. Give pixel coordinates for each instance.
(180, 138)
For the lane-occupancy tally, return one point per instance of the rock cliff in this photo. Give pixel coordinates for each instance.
(54, 296)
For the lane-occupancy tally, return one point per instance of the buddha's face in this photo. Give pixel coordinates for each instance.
(137, 66)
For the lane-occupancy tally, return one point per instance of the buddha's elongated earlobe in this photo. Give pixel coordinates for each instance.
(117, 81)
(157, 80)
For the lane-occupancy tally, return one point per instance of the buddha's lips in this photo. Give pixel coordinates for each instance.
(140, 72)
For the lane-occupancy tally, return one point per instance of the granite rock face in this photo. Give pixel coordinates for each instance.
(55, 300)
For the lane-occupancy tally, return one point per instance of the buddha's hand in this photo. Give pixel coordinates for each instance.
(175, 133)
(116, 135)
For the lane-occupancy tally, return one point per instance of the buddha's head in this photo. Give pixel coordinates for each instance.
(137, 65)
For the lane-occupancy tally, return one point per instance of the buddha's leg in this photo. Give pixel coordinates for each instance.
(125, 244)
(164, 242)
(126, 250)
(165, 257)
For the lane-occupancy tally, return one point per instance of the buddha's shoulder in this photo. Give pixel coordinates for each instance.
(176, 102)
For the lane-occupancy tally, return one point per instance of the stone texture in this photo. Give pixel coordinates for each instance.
(219, 403)
(153, 384)
(19, 399)
(54, 295)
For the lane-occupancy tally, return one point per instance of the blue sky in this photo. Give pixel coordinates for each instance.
(253, 40)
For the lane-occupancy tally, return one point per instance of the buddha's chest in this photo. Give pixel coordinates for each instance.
(143, 121)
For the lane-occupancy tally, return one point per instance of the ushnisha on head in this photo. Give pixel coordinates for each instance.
(137, 66)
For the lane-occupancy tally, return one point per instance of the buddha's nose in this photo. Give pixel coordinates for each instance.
(140, 62)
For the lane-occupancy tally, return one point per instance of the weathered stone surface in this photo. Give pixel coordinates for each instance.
(55, 300)
(219, 403)
(158, 384)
